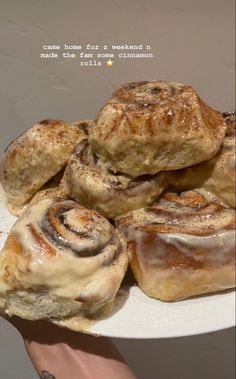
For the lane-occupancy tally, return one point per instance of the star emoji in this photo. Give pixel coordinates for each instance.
(109, 63)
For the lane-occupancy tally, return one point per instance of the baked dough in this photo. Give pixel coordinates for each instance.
(35, 157)
(55, 187)
(216, 175)
(181, 246)
(94, 185)
(147, 127)
(60, 260)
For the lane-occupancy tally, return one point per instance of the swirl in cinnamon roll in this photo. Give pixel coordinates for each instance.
(216, 175)
(147, 127)
(181, 246)
(35, 157)
(92, 184)
(61, 260)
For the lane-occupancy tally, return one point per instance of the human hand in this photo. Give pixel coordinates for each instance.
(59, 353)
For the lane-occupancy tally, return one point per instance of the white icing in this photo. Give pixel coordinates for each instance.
(217, 244)
(66, 274)
(215, 247)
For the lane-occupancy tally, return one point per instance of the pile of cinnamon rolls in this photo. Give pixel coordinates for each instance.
(150, 184)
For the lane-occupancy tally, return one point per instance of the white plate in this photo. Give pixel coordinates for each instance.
(144, 317)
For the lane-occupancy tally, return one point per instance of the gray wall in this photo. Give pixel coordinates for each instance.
(192, 42)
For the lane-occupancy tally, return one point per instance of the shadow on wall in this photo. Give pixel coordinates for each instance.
(208, 356)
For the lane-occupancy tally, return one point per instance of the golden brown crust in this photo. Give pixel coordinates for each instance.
(147, 127)
(35, 157)
(181, 246)
(94, 185)
(216, 175)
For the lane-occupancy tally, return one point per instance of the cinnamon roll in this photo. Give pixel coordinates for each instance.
(181, 246)
(35, 157)
(216, 175)
(147, 127)
(92, 184)
(61, 260)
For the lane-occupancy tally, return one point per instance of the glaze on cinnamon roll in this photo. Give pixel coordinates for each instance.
(61, 260)
(147, 127)
(35, 157)
(92, 184)
(216, 175)
(181, 246)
